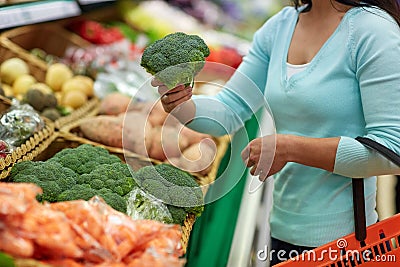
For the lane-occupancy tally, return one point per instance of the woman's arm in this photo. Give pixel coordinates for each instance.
(269, 154)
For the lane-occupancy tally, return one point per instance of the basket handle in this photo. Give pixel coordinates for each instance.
(360, 225)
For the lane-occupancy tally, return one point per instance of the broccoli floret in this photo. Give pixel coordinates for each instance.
(114, 200)
(175, 176)
(51, 190)
(173, 186)
(77, 192)
(52, 177)
(21, 166)
(176, 58)
(186, 198)
(96, 184)
(115, 176)
(84, 158)
(178, 214)
(157, 189)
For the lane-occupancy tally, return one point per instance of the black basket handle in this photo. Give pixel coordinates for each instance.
(360, 225)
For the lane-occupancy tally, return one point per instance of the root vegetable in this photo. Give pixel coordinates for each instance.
(114, 104)
(23, 83)
(74, 99)
(57, 74)
(198, 158)
(137, 132)
(44, 88)
(103, 129)
(167, 143)
(192, 136)
(88, 82)
(11, 69)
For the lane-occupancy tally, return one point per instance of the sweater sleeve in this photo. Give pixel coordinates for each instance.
(243, 94)
(375, 46)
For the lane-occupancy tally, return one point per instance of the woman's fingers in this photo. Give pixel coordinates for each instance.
(171, 97)
(168, 107)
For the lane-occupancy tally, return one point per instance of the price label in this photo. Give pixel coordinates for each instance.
(41, 11)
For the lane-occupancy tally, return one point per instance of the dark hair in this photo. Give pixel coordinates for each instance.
(390, 6)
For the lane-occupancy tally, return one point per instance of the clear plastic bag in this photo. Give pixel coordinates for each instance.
(143, 206)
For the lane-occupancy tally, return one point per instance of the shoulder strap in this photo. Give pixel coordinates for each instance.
(358, 187)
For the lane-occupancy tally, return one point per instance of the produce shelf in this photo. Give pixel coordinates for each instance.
(32, 147)
(66, 140)
(51, 38)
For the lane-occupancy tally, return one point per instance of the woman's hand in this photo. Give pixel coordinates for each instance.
(266, 155)
(269, 154)
(172, 98)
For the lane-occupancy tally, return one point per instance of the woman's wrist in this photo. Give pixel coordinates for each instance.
(309, 151)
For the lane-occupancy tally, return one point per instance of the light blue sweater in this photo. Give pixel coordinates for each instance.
(351, 88)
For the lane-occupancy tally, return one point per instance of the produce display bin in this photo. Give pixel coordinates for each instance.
(66, 140)
(33, 146)
(87, 109)
(51, 38)
(73, 132)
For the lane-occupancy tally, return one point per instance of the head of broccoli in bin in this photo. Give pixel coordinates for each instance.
(176, 58)
(175, 187)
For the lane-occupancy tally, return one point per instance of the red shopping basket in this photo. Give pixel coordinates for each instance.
(377, 245)
(380, 248)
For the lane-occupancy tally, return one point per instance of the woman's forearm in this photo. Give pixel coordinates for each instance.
(313, 152)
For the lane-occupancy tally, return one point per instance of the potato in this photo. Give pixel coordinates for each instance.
(137, 132)
(157, 114)
(8, 91)
(77, 83)
(88, 82)
(114, 104)
(193, 136)
(166, 143)
(103, 129)
(44, 88)
(57, 74)
(74, 99)
(23, 83)
(198, 158)
(11, 69)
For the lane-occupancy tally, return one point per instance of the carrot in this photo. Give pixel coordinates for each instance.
(15, 245)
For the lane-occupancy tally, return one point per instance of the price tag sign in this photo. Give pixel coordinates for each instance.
(41, 11)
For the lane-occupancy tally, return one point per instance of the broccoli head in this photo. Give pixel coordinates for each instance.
(112, 199)
(173, 186)
(178, 214)
(175, 176)
(84, 158)
(115, 176)
(52, 177)
(176, 58)
(79, 191)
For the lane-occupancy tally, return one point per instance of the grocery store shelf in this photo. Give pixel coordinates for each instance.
(36, 12)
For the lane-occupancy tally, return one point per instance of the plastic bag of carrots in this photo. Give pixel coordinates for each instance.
(82, 233)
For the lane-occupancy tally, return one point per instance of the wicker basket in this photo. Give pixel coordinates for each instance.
(66, 140)
(36, 144)
(88, 109)
(50, 37)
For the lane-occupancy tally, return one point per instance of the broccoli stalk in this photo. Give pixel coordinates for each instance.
(176, 58)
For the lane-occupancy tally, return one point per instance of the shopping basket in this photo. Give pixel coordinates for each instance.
(376, 245)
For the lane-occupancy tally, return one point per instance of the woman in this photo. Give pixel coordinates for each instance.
(330, 71)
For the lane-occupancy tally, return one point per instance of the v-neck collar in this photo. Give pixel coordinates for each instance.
(314, 61)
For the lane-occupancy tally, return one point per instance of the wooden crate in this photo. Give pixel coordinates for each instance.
(33, 146)
(50, 37)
